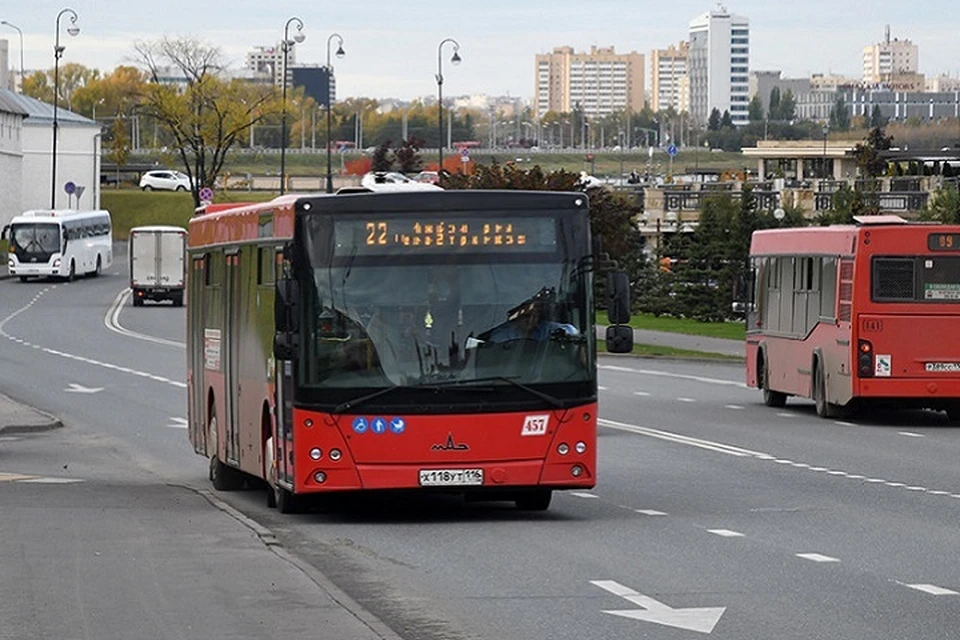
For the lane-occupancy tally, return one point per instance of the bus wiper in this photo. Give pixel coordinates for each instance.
(540, 394)
(350, 404)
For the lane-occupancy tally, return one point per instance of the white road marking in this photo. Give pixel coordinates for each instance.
(915, 488)
(817, 557)
(784, 414)
(599, 388)
(650, 512)
(579, 494)
(725, 533)
(79, 388)
(685, 400)
(680, 376)
(112, 322)
(736, 407)
(932, 589)
(641, 393)
(177, 423)
(910, 434)
(70, 356)
(50, 481)
(699, 619)
(843, 424)
(676, 437)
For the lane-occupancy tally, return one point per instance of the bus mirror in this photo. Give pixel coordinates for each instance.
(286, 305)
(620, 339)
(618, 297)
(3, 235)
(285, 345)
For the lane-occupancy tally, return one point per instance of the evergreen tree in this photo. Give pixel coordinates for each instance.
(726, 122)
(867, 153)
(713, 123)
(755, 110)
(788, 107)
(839, 115)
(773, 108)
(877, 121)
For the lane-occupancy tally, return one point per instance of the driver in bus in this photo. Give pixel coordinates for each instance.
(530, 320)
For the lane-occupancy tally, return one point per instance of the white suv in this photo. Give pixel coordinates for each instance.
(165, 180)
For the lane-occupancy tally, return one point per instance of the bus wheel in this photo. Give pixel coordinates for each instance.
(269, 473)
(287, 502)
(953, 414)
(824, 408)
(770, 398)
(96, 272)
(534, 500)
(222, 476)
(23, 278)
(73, 272)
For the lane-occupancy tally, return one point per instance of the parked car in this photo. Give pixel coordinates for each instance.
(431, 177)
(165, 180)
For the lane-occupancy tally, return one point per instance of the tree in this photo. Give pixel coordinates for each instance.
(713, 123)
(788, 107)
(408, 155)
(119, 145)
(755, 110)
(944, 206)
(867, 153)
(877, 120)
(206, 116)
(773, 107)
(726, 122)
(382, 157)
(839, 115)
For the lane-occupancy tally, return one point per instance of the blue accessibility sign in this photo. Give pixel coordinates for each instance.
(360, 425)
(378, 426)
(672, 150)
(398, 425)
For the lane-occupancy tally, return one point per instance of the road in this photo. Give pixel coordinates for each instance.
(714, 516)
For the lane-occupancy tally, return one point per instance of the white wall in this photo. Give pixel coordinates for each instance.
(78, 161)
(11, 158)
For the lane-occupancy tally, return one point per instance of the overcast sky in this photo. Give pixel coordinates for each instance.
(392, 46)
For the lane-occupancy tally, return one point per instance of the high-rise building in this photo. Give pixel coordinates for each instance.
(719, 65)
(668, 74)
(888, 59)
(270, 60)
(599, 82)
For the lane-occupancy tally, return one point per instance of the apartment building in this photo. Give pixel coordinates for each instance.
(719, 65)
(889, 58)
(669, 83)
(599, 82)
(269, 60)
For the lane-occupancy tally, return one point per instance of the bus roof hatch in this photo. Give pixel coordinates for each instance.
(864, 221)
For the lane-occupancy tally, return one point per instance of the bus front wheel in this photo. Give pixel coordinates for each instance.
(534, 500)
(222, 476)
(824, 408)
(770, 398)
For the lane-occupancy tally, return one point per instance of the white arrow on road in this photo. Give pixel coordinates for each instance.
(177, 423)
(76, 388)
(702, 619)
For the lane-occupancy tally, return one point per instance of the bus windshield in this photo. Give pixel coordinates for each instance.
(35, 238)
(379, 322)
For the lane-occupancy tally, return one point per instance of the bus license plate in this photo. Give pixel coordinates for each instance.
(450, 477)
(943, 367)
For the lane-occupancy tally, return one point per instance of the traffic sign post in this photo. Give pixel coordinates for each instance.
(464, 155)
(206, 195)
(671, 151)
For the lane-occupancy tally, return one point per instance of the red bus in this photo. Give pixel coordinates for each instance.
(853, 315)
(430, 340)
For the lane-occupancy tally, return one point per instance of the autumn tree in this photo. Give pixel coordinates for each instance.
(207, 113)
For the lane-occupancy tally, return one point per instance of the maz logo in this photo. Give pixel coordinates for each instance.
(450, 445)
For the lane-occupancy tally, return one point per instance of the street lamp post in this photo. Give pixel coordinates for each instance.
(285, 46)
(340, 54)
(13, 26)
(73, 30)
(455, 60)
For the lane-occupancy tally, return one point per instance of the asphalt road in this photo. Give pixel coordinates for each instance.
(713, 515)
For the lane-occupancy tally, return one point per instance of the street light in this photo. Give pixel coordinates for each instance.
(73, 30)
(340, 54)
(823, 166)
(285, 46)
(455, 60)
(13, 26)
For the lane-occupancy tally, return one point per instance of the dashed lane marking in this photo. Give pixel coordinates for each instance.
(28, 479)
(817, 557)
(725, 533)
(932, 589)
(910, 434)
(686, 400)
(650, 512)
(735, 407)
(583, 494)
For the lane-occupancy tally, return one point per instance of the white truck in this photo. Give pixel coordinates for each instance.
(158, 263)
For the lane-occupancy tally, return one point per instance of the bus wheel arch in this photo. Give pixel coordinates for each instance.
(770, 398)
(825, 409)
(269, 468)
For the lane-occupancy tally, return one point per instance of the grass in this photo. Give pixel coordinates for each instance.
(134, 208)
(727, 330)
(654, 351)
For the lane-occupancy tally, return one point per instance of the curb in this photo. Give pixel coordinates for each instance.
(10, 429)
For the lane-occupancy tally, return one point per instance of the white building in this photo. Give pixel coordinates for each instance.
(599, 82)
(270, 60)
(669, 86)
(719, 65)
(11, 157)
(78, 157)
(889, 58)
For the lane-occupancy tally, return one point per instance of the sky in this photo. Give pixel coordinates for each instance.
(391, 47)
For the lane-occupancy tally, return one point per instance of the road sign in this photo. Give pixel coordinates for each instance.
(672, 150)
(206, 194)
(464, 152)
(70, 188)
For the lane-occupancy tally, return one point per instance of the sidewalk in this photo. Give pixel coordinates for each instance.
(722, 346)
(19, 418)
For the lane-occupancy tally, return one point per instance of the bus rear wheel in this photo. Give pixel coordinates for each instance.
(824, 408)
(534, 500)
(222, 476)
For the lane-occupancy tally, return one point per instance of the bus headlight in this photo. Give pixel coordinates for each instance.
(581, 447)
(316, 453)
(335, 454)
(563, 448)
(56, 263)
(576, 471)
(320, 477)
